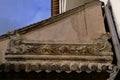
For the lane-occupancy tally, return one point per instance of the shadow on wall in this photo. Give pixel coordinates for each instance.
(118, 76)
(53, 76)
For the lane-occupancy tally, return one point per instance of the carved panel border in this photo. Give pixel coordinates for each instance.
(100, 46)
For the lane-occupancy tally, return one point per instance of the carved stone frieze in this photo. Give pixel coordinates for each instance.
(103, 43)
(15, 42)
(17, 46)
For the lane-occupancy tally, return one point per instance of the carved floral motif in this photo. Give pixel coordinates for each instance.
(17, 45)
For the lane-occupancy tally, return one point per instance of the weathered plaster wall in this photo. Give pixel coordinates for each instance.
(83, 26)
(70, 4)
(3, 47)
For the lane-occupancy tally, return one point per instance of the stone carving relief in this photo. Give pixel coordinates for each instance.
(14, 42)
(103, 42)
(17, 45)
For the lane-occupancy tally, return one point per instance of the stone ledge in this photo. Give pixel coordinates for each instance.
(59, 58)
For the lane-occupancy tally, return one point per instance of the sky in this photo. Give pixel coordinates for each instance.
(15, 14)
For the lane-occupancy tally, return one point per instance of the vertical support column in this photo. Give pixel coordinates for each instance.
(62, 6)
(55, 7)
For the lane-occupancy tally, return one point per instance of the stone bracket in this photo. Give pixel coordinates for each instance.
(113, 73)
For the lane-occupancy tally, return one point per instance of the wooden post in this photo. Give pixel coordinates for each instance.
(55, 7)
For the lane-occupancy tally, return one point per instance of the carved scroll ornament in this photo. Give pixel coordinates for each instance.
(18, 46)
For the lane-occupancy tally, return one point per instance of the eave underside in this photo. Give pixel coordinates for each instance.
(55, 66)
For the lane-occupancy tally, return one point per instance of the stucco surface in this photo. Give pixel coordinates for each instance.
(3, 47)
(80, 27)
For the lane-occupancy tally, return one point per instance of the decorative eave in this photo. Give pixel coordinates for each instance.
(36, 55)
(57, 66)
